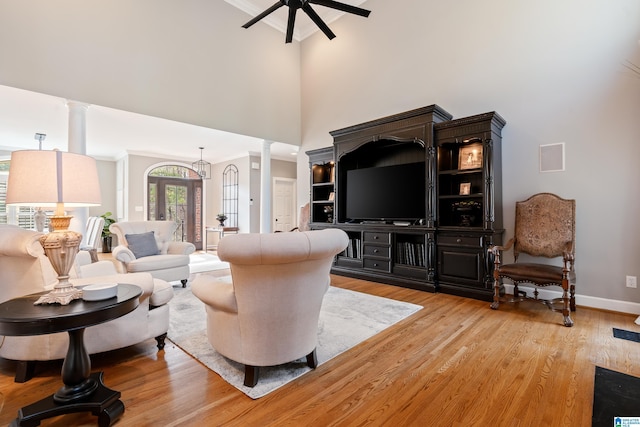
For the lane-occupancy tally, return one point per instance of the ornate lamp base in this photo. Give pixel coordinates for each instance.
(61, 247)
(62, 296)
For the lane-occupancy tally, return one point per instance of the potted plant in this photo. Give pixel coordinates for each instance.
(107, 238)
(221, 219)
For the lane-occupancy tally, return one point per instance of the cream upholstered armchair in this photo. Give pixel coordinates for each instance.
(269, 314)
(26, 269)
(148, 246)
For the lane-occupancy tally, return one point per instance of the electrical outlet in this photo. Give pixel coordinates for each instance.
(632, 282)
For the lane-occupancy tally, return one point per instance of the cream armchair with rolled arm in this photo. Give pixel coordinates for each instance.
(148, 246)
(26, 269)
(269, 314)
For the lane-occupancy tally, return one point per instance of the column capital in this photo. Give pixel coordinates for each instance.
(76, 104)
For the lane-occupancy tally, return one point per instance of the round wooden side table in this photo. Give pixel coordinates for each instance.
(82, 391)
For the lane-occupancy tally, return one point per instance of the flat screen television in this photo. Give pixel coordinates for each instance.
(387, 193)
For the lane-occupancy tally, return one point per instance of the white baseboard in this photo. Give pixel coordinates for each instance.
(582, 300)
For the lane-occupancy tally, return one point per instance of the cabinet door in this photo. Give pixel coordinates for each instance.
(458, 265)
(462, 259)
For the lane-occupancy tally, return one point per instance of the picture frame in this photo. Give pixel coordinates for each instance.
(465, 188)
(470, 157)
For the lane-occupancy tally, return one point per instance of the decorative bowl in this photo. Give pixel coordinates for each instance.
(99, 291)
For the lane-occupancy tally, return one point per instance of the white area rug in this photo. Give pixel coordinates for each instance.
(200, 261)
(347, 318)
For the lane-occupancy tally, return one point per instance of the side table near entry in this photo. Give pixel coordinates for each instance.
(82, 391)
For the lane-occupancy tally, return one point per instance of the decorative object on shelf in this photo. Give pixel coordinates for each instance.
(465, 188)
(221, 219)
(55, 179)
(468, 212)
(107, 238)
(39, 218)
(329, 211)
(470, 157)
(202, 167)
(305, 5)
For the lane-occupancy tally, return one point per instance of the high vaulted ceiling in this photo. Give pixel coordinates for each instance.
(113, 133)
(304, 26)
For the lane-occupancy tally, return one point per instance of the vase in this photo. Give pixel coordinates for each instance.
(106, 244)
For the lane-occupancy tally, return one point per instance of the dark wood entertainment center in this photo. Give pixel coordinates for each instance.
(445, 248)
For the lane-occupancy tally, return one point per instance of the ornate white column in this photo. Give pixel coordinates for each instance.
(77, 127)
(77, 143)
(265, 187)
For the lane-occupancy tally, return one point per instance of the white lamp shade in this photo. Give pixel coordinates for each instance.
(45, 178)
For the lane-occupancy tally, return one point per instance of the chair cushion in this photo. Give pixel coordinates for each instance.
(162, 293)
(539, 274)
(158, 262)
(143, 244)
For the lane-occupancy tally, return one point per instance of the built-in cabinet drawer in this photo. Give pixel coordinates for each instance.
(460, 240)
(377, 251)
(378, 264)
(377, 237)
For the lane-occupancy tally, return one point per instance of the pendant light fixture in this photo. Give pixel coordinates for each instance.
(202, 167)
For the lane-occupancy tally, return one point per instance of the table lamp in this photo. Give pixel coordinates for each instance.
(55, 179)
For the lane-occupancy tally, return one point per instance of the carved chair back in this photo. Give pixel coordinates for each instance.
(545, 226)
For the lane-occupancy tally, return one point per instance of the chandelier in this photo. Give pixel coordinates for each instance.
(202, 167)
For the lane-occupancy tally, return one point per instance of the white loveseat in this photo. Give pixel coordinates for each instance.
(26, 269)
(167, 260)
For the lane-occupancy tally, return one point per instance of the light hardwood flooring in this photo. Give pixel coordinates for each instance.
(454, 363)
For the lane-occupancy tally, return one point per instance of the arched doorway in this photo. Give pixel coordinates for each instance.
(175, 193)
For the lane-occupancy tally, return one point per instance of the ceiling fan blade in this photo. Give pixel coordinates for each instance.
(290, 24)
(318, 21)
(273, 8)
(342, 6)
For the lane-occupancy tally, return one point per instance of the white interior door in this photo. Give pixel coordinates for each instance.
(284, 210)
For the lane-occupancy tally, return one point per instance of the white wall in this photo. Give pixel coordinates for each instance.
(187, 60)
(553, 69)
(107, 177)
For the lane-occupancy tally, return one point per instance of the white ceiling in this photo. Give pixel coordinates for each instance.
(304, 26)
(113, 133)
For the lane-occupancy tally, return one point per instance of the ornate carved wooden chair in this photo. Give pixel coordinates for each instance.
(544, 227)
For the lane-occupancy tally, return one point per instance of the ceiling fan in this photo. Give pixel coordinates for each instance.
(305, 5)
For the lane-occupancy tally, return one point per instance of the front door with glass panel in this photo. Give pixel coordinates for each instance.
(175, 199)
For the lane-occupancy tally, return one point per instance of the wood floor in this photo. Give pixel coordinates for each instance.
(454, 363)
